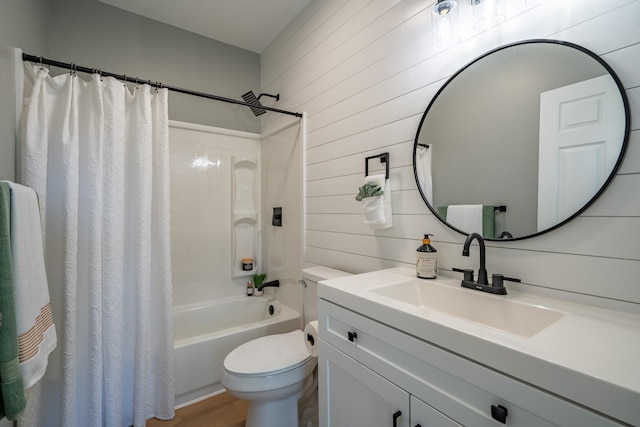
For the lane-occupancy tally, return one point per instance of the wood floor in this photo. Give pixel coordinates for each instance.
(222, 410)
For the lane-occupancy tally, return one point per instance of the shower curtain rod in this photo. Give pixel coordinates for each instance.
(125, 78)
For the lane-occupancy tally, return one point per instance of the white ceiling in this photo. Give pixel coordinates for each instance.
(248, 24)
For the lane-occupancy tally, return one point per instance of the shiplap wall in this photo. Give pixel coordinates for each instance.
(363, 71)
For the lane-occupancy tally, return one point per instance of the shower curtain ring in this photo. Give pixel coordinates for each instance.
(43, 66)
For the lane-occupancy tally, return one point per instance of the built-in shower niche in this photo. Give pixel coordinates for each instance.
(245, 215)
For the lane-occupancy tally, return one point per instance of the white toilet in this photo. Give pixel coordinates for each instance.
(274, 371)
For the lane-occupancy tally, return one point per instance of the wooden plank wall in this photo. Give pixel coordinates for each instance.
(364, 71)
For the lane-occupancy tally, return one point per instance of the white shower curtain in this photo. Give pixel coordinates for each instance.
(423, 170)
(98, 157)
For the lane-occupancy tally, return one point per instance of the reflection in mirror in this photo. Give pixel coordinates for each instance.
(521, 140)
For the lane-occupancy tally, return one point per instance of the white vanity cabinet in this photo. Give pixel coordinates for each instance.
(369, 371)
(358, 397)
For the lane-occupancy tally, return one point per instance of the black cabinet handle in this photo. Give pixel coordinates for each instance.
(396, 415)
(418, 425)
(499, 413)
(352, 336)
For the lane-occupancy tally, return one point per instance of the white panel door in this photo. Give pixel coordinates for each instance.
(578, 147)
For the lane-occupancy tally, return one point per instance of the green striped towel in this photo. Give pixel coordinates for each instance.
(12, 397)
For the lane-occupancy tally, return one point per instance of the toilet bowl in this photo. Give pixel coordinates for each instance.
(273, 372)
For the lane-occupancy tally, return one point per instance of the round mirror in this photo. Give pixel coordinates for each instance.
(521, 140)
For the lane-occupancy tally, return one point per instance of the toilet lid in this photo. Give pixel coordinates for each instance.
(268, 355)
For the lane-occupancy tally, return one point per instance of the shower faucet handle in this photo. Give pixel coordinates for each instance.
(276, 221)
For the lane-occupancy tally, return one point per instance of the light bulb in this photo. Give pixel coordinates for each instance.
(444, 7)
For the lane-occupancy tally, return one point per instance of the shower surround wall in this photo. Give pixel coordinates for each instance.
(207, 221)
(365, 71)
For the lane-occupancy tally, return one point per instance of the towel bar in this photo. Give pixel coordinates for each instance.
(384, 158)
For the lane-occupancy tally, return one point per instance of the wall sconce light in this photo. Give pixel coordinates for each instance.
(488, 13)
(445, 21)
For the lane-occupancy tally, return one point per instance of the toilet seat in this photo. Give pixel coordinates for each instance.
(268, 363)
(268, 355)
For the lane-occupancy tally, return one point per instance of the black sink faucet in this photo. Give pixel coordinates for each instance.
(482, 272)
(273, 283)
(497, 287)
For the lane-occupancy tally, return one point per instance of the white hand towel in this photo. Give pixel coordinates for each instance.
(377, 210)
(388, 214)
(36, 332)
(467, 218)
(423, 170)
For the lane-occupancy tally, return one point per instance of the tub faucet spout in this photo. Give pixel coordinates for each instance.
(273, 283)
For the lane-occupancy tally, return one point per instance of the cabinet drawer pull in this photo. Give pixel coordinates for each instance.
(418, 425)
(499, 413)
(352, 336)
(396, 415)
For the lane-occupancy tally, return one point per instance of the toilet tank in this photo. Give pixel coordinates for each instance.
(311, 277)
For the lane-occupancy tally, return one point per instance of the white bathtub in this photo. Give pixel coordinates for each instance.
(205, 333)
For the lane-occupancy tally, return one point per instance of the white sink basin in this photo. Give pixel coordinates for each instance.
(494, 311)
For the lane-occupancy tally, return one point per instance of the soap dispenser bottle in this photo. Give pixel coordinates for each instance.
(249, 288)
(426, 260)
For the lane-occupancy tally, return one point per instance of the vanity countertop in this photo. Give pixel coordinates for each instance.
(589, 355)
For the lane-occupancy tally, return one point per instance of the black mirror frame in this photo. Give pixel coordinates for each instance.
(613, 173)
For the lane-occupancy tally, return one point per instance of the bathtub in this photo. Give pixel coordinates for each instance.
(205, 333)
